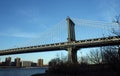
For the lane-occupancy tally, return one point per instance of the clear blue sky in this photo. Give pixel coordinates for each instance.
(22, 21)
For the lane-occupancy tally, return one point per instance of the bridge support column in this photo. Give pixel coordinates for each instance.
(72, 51)
(72, 55)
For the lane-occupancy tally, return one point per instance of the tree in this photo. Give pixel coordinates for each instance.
(95, 57)
(117, 21)
(105, 55)
(54, 62)
(83, 60)
(110, 55)
(59, 60)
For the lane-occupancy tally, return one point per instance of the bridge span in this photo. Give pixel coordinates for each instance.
(97, 42)
(72, 45)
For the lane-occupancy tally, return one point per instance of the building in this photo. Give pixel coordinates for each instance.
(8, 61)
(0, 63)
(33, 64)
(26, 63)
(17, 62)
(40, 63)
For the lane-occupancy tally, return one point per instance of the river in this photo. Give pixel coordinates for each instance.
(21, 71)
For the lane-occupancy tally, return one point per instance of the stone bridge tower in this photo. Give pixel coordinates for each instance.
(72, 51)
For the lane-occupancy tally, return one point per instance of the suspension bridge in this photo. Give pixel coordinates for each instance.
(71, 45)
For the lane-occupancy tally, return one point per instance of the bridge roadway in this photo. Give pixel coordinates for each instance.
(97, 42)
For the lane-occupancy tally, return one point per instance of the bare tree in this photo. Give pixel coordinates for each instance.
(105, 55)
(58, 60)
(110, 55)
(83, 60)
(95, 57)
(117, 20)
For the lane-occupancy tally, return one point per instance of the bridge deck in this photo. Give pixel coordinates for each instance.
(97, 42)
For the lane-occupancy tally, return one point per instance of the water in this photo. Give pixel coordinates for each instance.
(21, 71)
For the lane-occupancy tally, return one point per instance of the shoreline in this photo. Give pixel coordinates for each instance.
(6, 67)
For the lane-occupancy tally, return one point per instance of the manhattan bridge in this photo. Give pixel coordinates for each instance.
(72, 45)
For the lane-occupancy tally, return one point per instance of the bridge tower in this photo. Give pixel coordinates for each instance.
(72, 51)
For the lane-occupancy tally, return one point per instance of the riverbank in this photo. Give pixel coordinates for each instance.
(82, 70)
(83, 74)
(8, 67)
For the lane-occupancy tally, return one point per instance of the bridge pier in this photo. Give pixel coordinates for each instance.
(72, 55)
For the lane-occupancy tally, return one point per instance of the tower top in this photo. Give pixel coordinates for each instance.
(69, 20)
(71, 30)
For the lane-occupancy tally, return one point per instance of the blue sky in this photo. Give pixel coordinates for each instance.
(30, 22)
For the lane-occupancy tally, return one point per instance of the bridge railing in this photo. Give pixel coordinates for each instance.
(100, 39)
